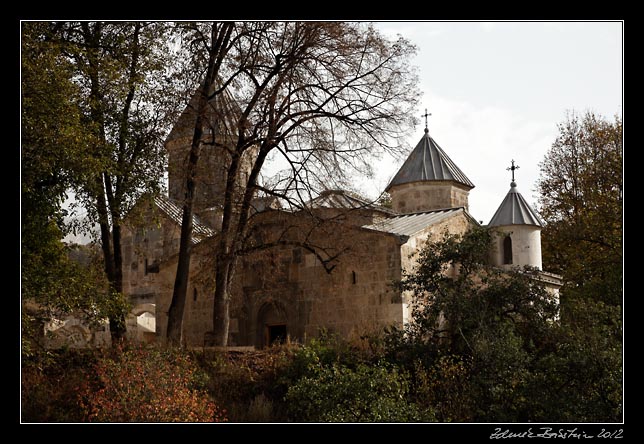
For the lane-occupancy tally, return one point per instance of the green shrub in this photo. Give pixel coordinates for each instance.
(325, 351)
(375, 393)
(444, 387)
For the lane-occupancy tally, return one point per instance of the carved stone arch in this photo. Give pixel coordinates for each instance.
(144, 308)
(142, 322)
(272, 323)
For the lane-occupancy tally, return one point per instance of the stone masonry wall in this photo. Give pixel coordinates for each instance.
(426, 196)
(292, 286)
(289, 285)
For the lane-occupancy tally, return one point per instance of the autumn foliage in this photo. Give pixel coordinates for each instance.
(140, 384)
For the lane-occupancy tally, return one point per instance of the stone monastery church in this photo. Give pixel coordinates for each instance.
(287, 290)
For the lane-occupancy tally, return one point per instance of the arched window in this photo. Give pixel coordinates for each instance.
(507, 250)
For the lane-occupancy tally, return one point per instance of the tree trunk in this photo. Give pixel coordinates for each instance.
(225, 259)
(112, 259)
(110, 243)
(219, 41)
(177, 305)
(117, 320)
(221, 310)
(101, 208)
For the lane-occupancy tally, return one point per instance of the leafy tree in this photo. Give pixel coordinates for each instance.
(459, 298)
(125, 95)
(52, 142)
(581, 192)
(486, 344)
(370, 393)
(485, 320)
(581, 188)
(577, 375)
(324, 97)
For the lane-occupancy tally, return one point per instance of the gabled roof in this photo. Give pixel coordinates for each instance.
(429, 162)
(200, 231)
(515, 210)
(345, 200)
(409, 224)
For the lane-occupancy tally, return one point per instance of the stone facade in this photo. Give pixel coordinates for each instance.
(286, 290)
(415, 197)
(330, 267)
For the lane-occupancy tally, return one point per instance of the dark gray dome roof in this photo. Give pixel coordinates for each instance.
(514, 210)
(429, 162)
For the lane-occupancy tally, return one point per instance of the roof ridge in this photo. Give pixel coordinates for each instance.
(334, 197)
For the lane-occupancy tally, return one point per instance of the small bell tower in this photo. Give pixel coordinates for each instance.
(518, 230)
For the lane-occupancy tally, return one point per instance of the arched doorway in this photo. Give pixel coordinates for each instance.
(143, 324)
(272, 325)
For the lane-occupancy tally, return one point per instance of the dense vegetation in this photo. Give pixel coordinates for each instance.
(484, 349)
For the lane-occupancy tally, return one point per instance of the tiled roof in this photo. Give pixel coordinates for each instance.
(345, 200)
(200, 231)
(514, 210)
(409, 224)
(429, 162)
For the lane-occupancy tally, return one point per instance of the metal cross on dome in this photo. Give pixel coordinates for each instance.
(425, 116)
(513, 167)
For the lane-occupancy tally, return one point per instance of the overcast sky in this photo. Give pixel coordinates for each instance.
(497, 91)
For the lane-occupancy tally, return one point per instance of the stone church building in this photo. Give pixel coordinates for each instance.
(329, 266)
(340, 281)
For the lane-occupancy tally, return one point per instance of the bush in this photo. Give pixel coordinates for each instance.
(444, 387)
(367, 394)
(246, 383)
(50, 384)
(146, 384)
(325, 351)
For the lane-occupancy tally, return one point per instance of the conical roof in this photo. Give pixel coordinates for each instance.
(222, 109)
(345, 200)
(429, 162)
(515, 210)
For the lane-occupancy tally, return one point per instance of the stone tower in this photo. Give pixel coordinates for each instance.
(428, 180)
(518, 231)
(220, 130)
